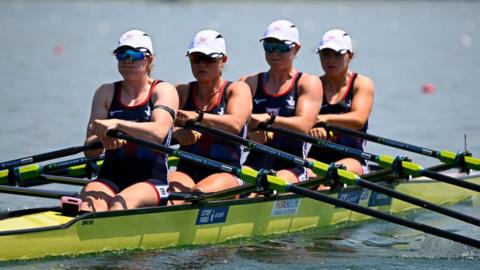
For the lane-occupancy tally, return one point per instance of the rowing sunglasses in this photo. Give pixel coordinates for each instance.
(197, 58)
(277, 47)
(131, 55)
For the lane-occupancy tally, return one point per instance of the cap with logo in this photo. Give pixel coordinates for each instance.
(337, 40)
(136, 39)
(282, 30)
(208, 42)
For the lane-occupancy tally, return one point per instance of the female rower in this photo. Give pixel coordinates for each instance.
(215, 102)
(132, 175)
(347, 100)
(283, 97)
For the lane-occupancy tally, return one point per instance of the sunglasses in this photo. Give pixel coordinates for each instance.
(277, 47)
(198, 58)
(330, 52)
(131, 55)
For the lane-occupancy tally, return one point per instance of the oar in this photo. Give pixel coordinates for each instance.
(43, 193)
(250, 176)
(445, 156)
(74, 167)
(323, 169)
(385, 161)
(50, 155)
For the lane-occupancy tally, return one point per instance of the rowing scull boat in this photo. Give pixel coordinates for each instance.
(35, 233)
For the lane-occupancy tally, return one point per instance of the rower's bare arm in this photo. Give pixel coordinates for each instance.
(99, 110)
(157, 129)
(251, 81)
(239, 107)
(362, 104)
(307, 107)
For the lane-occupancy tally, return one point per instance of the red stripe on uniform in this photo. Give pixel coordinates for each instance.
(159, 201)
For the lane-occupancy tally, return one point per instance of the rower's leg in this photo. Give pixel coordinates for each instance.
(179, 182)
(96, 196)
(288, 175)
(216, 182)
(137, 195)
(352, 165)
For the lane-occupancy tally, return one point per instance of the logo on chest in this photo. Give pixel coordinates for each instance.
(291, 102)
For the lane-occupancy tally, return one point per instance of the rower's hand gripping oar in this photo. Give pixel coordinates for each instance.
(250, 176)
(461, 159)
(402, 166)
(326, 170)
(50, 155)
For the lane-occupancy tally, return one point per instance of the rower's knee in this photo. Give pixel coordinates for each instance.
(118, 203)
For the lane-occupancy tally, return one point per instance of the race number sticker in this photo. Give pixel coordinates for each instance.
(211, 215)
(285, 207)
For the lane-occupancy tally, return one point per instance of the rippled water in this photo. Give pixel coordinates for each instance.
(55, 53)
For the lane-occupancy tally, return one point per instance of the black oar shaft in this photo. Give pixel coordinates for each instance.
(450, 180)
(43, 193)
(322, 143)
(419, 202)
(50, 155)
(61, 179)
(384, 216)
(250, 144)
(385, 141)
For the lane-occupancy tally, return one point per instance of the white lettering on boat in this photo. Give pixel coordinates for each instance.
(210, 215)
(285, 207)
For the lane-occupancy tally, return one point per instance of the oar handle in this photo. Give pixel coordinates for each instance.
(50, 155)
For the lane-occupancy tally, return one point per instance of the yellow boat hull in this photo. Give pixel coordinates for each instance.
(48, 233)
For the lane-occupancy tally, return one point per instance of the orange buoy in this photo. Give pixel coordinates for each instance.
(59, 49)
(428, 88)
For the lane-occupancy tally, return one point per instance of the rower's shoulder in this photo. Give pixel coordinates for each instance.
(309, 76)
(165, 85)
(165, 92)
(234, 85)
(250, 79)
(364, 83)
(105, 91)
(310, 81)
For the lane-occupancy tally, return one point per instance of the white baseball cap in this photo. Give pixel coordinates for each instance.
(209, 42)
(282, 30)
(136, 39)
(337, 40)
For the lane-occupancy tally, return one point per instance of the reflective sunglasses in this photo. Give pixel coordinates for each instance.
(131, 55)
(277, 47)
(197, 58)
